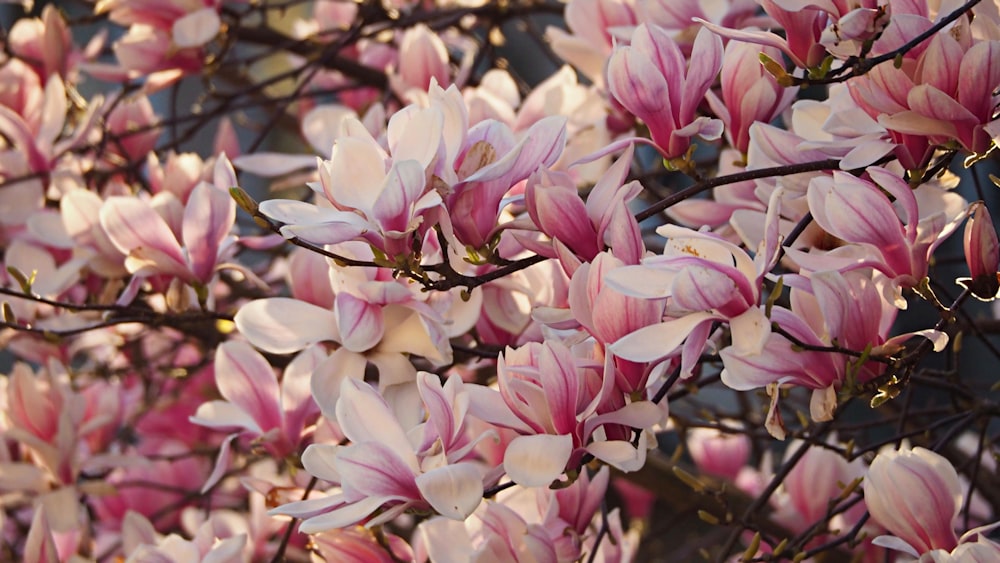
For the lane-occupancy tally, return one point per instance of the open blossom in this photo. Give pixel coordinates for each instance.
(826, 308)
(152, 244)
(705, 279)
(944, 95)
(273, 414)
(374, 317)
(562, 406)
(383, 467)
(390, 196)
(652, 80)
(530, 525)
(898, 244)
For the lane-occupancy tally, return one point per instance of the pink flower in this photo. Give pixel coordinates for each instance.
(608, 315)
(137, 229)
(946, 94)
(122, 122)
(556, 401)
(896, 243)
(272, 413)
(803, 30)
(383, 468)
(593, 24)
(982, 254)
(718, 453)
(651, 80)
(423, 60)
(916, 495)
(585, 229)
(749, 93)
(827, 307)
(818, 478)
(705, 279)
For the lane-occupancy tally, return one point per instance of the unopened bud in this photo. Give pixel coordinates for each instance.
(982, 254)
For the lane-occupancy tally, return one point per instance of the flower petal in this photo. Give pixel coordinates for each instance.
(537, 461)
(454, 491)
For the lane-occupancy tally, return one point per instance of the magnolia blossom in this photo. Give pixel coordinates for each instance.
(584, 229)
(651, 80)
(593, 24)
(534, 525)
(382, 467)
(564, 407)
(982, 254)
(896, 243)
(749, 93)
(916, 495)
(273, 414)
(706, 279)
(147, 231)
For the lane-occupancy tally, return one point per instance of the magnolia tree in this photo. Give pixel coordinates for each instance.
(687, 297)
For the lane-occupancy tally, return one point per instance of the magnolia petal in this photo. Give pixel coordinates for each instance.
(488, 405)
(657, 341)
(446, 541)
(245, 379)
(297, 402)
(343, 516)
(40, 545)
(897, 544)
(273, 164)
(372, 469)
(320, 460)
(364, 416)
(641, 414)
(328, 377)
(223, 414)
(361, 324)
(131, 223)
(196, 29)
(822, 403)
(454, 491)
(280, 325)
(403, 185)
(137, 530)
(537, 461)
(227, 550)
(620, 454)
(221, 463)
(25, 477)
(208, 217)
(750, 331)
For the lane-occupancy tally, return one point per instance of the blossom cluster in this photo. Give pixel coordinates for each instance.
(368, 294)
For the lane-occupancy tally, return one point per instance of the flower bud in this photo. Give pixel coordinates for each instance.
(916, 495)
(982, 254)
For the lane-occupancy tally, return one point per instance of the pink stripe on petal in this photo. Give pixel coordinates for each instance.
(373, 469)
(361, 324)
(245, 378)
(132, 223)
(208, 217)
